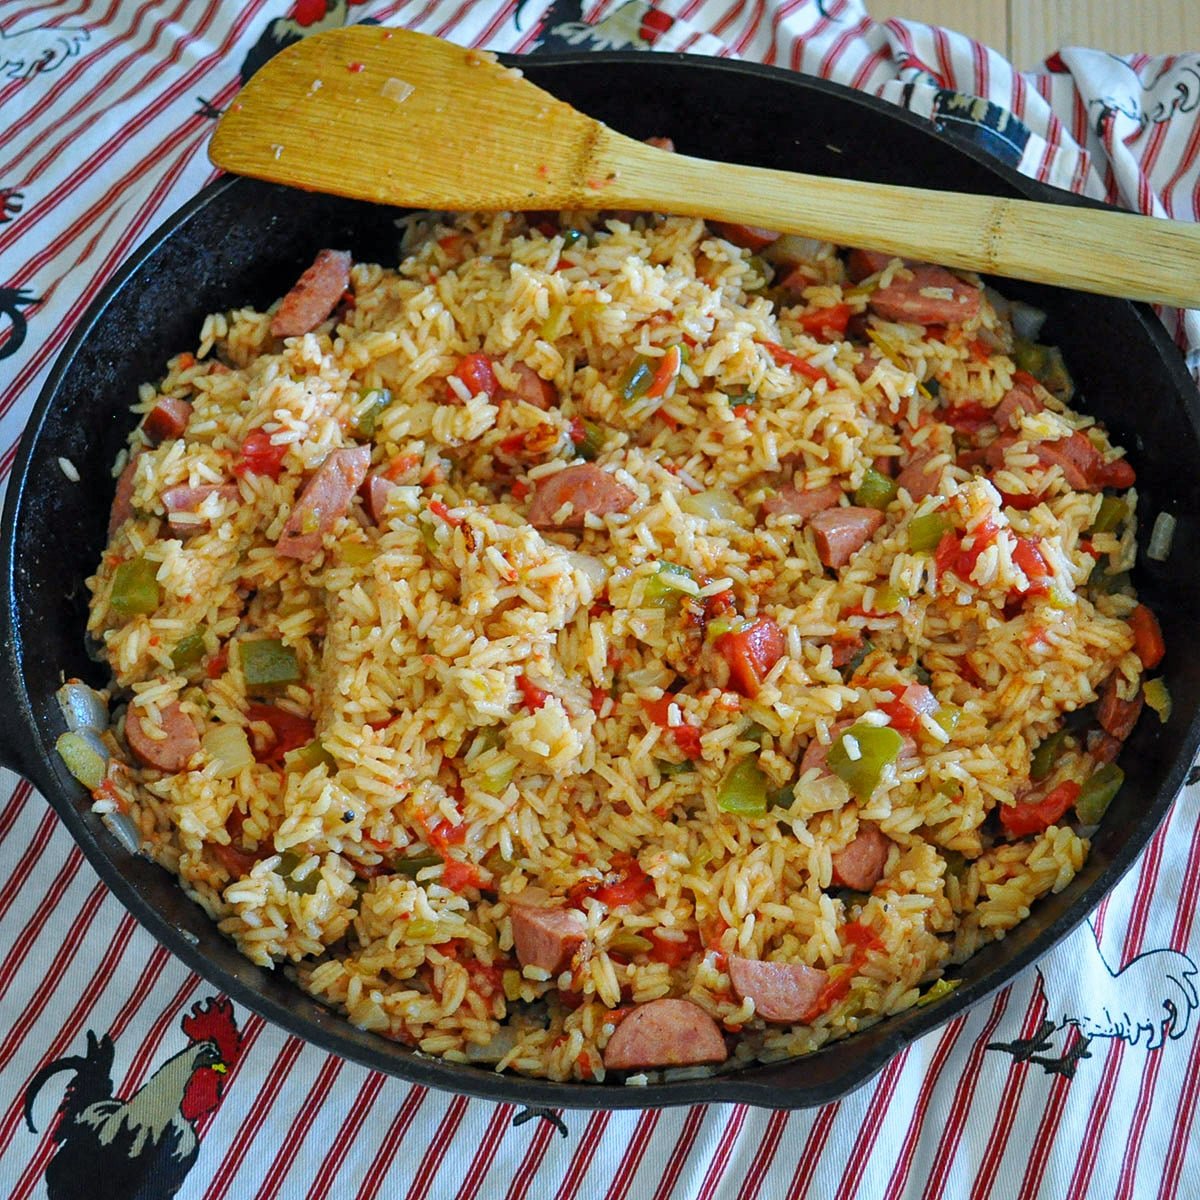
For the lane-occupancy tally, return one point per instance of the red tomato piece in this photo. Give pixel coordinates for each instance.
(785, 358)
(444, 835)
(968, 418)
(633, 886)
(687, 737)
(458, 876)
(1147, 637)
(819, 322)
(666, 373)
(475, 370)
(260, 456)
(749, 237)
(674, 952)
(291, 732)
(532, 696)
(440, 510)
(751, 654)
(1033, 816)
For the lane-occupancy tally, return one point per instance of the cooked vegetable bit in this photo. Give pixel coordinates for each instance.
(862, 755)
(135, 589)
(267, 662)
(1098, 792)
(743, 790)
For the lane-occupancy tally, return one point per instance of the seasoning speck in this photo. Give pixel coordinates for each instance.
(68, 469)
(354, 67)
(396, 89)
(278, 150)
(315, 86)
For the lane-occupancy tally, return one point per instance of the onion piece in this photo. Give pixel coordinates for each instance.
(229, 748)
(500, 1045)
(790, 249)
(588, 566)
(1161, 537)
(85, 756)
(124, 830)
(713, 506)
(1027, 321)
(82, 708)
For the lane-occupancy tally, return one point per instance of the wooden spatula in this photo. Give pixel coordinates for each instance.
(405, 119)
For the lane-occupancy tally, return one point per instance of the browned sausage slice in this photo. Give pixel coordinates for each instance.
(546, 937)
(122, 505)
(661, 143)
(794, 503)
(376, 492)
(1017, 400)
(782, 992)
(1117, 717)
(749, 237)
(861, 263)
(841, 532)
(665, 1033)
(169, 754)
(533, 389)
(315, 294)
(919, 482)
(184, 499)
(586, 487)
(931, 297)
(860, 865)
(167, 419)
(325, 498)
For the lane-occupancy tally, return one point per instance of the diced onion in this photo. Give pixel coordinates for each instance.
(585, 564)
(501, 1044)
(229, 748)
(124, 830)
(1027, 321)
(81, 707)
(713, 506)
(791, 249)
(85, 756)
(1161, 537)
(1158, 698)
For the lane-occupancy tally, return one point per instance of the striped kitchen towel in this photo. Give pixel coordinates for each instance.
(1063, 1085)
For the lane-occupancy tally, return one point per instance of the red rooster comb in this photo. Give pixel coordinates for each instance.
(212, 1020)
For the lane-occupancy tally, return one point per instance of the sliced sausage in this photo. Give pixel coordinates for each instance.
(1117, 717)
(841, 532)
(861, 263)
(167, 419)
(885, 464)
(314, 296)
(792, 502)
(918, 481)
(533, 389)
(1103, 747)
(665, 1033)
(546, 937)
(860, 865)
(661, 143)
(122, 505)
(1018, 400)
(325, 498)
(376, 491)
(783, 993)
(1079, 460)
(185, 499)
(170, 754)
(586, 488)
(749, 237)
(931, 297)
(865, 367)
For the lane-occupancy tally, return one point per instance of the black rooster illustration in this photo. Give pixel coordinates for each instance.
(141, 1148)
(13, 323)
(303, 18)
(1152, 994)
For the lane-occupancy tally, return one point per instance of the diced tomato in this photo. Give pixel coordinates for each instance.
(1030, 559)
(260, 456)
(751, 654)
(401, 465)
(215, 667)
(577, 431)
(1022, 503)
(487, 979)
(440, 510)
(718, 604)
(947, 552)
(980, 350)
(1116, 474)
(968, 418)
(458, 876)
(1029, 817)
(599, 696)
(864, 940)
(236, 861)
(687, 737)
(674, 952)
(443, 835)
(1147, 637)
(861, 937)
(475, 370)
(785, 358)
(532, 696)
(291, 732)
(820, 322)
(1027, 381)
(634, 885)
(950, 554)
(906, 710)
(666, 373)
(743, 412)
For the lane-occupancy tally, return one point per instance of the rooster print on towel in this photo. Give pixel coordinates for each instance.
(634, 25)
(141, 1148)
(1154, 994)
(29, 52)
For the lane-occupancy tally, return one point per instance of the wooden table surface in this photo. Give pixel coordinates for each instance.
(1026, 31)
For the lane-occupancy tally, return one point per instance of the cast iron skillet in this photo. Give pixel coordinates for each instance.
(244, 242)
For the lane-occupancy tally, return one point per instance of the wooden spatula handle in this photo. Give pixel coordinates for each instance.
(1144, 258)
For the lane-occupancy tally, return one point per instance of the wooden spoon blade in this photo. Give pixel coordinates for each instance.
(398, 117)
